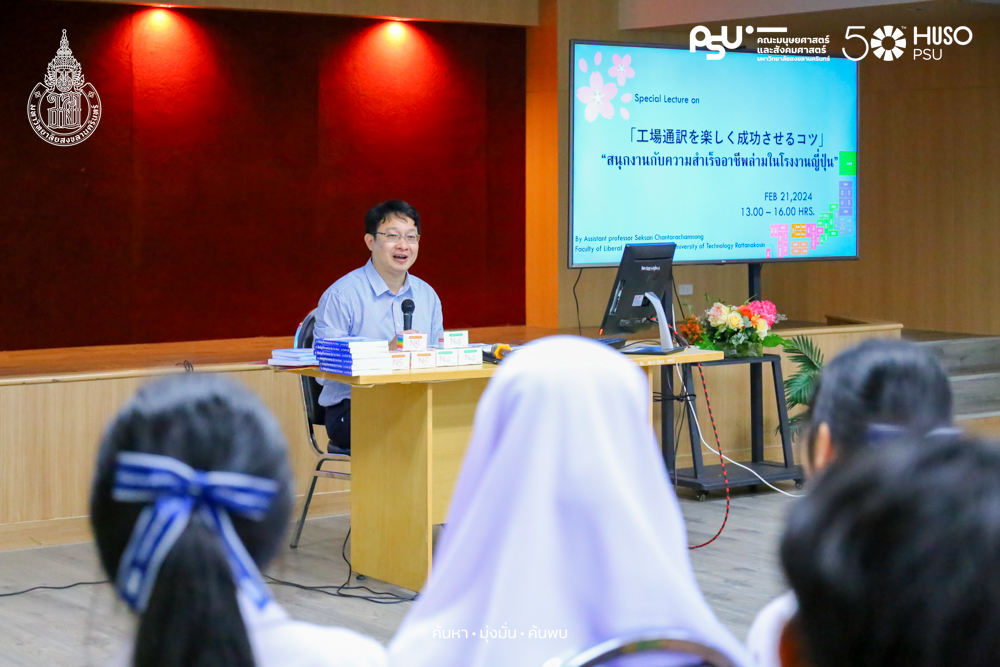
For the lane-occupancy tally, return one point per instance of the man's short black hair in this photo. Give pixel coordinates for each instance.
(894, 557)
(379, 213)
(879, 381)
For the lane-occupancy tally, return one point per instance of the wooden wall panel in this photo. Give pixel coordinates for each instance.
(928, 199)
(50, 434)
(929, 194)
(541, 238)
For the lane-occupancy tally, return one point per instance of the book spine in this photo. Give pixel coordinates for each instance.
(371, 358)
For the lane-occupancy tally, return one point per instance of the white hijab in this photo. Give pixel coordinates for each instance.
(562, 521)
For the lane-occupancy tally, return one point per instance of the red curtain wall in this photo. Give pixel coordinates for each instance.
(226, 185)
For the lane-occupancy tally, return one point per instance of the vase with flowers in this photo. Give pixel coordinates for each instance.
(739, 331)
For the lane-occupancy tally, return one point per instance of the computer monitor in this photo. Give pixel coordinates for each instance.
(641, 287)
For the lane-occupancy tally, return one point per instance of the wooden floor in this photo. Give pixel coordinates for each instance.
(84, 626)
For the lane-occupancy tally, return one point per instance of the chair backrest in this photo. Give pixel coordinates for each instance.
(315, 413)
(648, 645)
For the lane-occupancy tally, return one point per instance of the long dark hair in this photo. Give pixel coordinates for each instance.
(880, 381)
(192, 618)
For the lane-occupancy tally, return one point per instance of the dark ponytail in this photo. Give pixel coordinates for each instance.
(192, 618)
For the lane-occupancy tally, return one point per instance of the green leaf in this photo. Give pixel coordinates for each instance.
(773, 340)
(799, 389)
(803, 352)
(797, 426)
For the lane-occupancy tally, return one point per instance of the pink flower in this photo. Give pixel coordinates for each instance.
(621, 68)
(597, 97)
(765, 309)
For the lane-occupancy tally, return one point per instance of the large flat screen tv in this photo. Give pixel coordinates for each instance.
(743, 159)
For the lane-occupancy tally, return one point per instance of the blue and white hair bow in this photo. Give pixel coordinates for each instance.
(176, 490)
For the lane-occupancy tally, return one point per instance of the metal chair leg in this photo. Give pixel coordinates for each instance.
(305, 510)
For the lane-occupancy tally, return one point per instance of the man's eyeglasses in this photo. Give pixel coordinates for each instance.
(393, 237)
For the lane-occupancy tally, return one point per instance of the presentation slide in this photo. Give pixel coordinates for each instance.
(741, 159)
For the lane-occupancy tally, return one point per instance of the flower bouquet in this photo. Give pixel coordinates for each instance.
(739, 331)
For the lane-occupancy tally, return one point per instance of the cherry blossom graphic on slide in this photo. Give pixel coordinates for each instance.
(621, 69)
(627, 97)
(597, 97)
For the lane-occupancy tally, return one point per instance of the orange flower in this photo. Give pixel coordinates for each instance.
(745, 311)
(691, 329)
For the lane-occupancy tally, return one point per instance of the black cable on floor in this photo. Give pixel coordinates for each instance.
(52, 588)
(378, 597)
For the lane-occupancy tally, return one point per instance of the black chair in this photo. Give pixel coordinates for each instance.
(315, 416)
(645, 644)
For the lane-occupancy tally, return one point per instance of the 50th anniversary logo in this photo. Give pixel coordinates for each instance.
(63, 109)
(886, 43)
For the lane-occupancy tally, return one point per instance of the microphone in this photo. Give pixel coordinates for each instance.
(407, 307)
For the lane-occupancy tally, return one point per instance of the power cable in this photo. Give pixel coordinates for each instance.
(53, 588)
(378, 597)
(579, 325)
(718, 443)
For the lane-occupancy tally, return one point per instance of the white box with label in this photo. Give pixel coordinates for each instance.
(470, 356)
(400, 361)
(423, 359)
(453, 340)
(446, 357)
(411, 342)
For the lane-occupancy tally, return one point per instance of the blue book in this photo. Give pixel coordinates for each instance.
(351, 342)
(349, 355)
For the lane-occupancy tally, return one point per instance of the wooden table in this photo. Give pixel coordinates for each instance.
(409, 432)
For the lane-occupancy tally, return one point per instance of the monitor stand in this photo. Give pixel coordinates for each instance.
(661, 320)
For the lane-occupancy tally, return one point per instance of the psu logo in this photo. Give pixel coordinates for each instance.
(703, 37)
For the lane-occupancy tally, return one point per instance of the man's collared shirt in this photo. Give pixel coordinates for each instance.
(360, 304)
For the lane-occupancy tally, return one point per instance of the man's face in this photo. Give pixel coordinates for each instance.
(395, 256)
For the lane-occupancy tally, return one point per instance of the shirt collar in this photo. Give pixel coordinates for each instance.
(378, 285)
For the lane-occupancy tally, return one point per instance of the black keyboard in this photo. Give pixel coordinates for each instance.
(616, 343)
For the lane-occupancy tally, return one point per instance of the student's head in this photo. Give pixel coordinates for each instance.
(209, 424)
(894, 559)
(877, 383)
(387, 227)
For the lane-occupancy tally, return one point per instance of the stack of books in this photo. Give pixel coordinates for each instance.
(353, 355)
(302, 356)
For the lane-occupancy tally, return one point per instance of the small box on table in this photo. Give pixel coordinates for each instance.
(447, 357)
(400, 361)
(453, 340)
(411, 342)
(470, 356)
(423, 359)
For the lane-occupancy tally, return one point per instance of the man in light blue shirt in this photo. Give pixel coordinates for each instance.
(366, 302)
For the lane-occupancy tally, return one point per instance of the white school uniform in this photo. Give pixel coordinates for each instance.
(764, 637)
(563, 522)
(279, 641)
